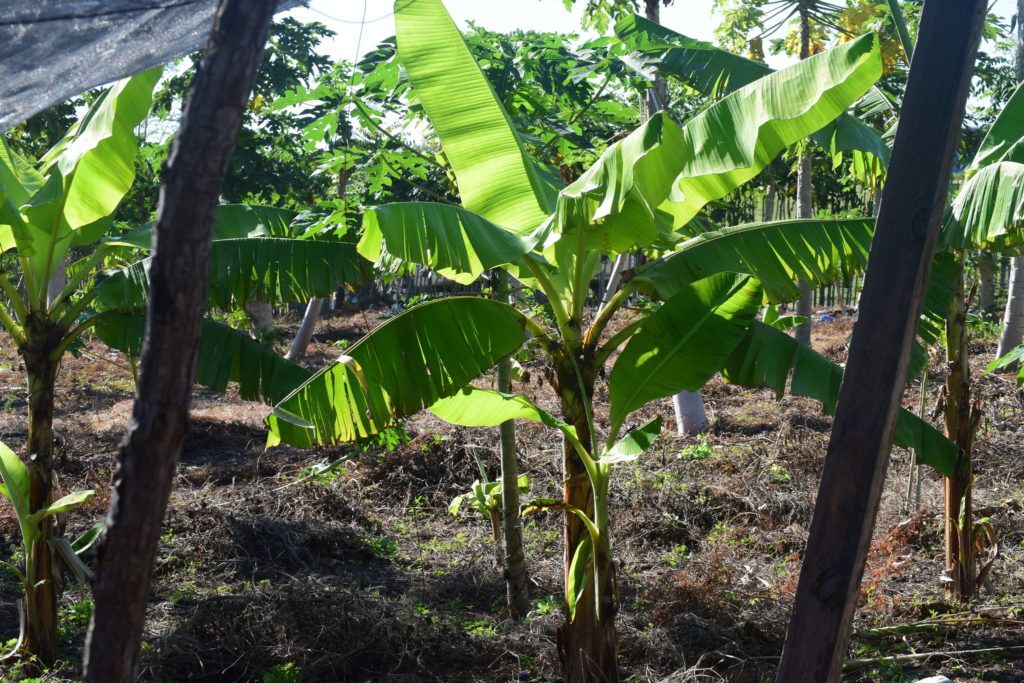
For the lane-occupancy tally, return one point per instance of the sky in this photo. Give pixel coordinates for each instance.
(355, 36)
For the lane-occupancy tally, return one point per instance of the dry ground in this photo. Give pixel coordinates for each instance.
(266, 573)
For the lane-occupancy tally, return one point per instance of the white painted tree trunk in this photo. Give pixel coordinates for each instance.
(261, 314)
(305, 334)
(690, 415)
(1012, 334)
(987, 281)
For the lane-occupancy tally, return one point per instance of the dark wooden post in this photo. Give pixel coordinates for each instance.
(178, 283)
(901, 254)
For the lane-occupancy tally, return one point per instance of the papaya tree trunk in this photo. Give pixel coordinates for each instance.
(514, 560)
(691, 417)
(189, 193)
(1012, 334)
(804, 201)
(305, 334)
(587, 643)
(961, 417)
(43, 580)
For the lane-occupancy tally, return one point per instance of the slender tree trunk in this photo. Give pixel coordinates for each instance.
(1012, 334)
(44, 583)
(305, 334)
(514, 560)
(587, 644)
(768, 208)
(804, 201)
(261, 313)
(961, 416)
(192, 178)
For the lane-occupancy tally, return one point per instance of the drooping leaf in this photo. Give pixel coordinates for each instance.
(766, 357)
(456, 243)
(715, 72)
(1012, 359)
(779, 254)
(276, 270)
(989, 210)
(660, 176)
(632, 445)
(497, 180)
(225, 355)
(1005, 138)
(407, 364)
(684, 343)
(232, 221)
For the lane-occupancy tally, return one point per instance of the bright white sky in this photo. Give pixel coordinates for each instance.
(694, 18)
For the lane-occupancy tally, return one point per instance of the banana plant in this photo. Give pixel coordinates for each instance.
(15, 489)
(643, 192)
(987, 214)
(59, 209)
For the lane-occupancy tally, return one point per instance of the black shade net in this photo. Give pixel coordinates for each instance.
(51, 50)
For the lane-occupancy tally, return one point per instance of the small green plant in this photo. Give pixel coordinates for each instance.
(283, 673)
(701, 450)
(779, 473)
(15, 488)
(381, 546)
(323, 472)
(485, 495)
(479, 627)
(545, 606)
(677, 555)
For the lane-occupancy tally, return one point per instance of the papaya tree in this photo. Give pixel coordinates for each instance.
(61, 206)
(644, 191)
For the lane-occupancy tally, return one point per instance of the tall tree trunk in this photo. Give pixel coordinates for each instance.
(192, 178)
(44, 583)
(305, 334)
(586, 644)
(961, 416)
(804, 199)
(518, 597)
(1012, 334)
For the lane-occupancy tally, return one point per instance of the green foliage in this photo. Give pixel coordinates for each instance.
(702, 450)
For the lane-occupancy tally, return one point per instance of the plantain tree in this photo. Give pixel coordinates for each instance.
(643, 192)
(59, 208)
(987, 214)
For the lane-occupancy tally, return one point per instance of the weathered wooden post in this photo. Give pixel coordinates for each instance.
(901, 253)
(189, 194)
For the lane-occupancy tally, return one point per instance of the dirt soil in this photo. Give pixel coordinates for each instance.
(344, 564)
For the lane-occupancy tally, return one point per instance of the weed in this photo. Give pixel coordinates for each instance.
(701, 450)
(283, 673)
(677, 555)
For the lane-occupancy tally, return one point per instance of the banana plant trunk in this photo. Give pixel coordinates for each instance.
(804, 200)
(42, 592)
(261, 313)
(961, 416)
(586, 643)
